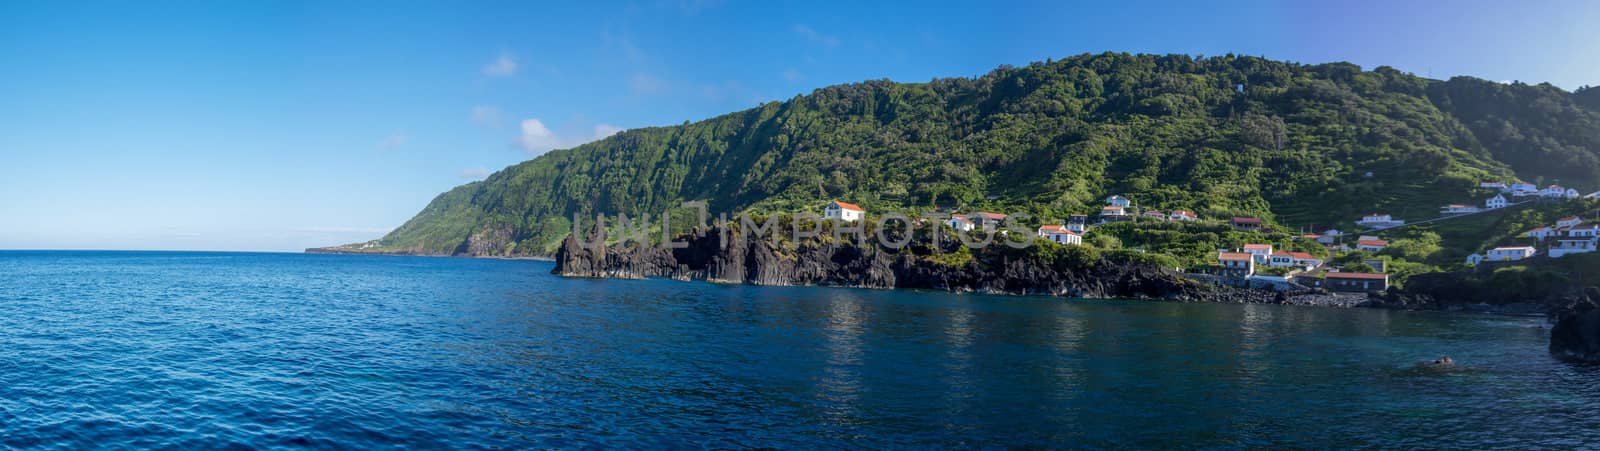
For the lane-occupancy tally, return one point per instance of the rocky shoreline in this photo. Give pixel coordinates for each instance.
(724, 256)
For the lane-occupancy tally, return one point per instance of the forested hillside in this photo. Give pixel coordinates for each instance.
(1296, 144)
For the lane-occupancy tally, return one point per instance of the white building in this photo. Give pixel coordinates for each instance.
(1380, 221)
(1118, 201)
(843, 212)
(1541, 233)
(1237, 264)
(986, 221)
(1457, 209)
(1568, 222)
(1585, 231)
(1260, 251)
(1373, 246)
(1474, 259)
(1571, 246)
(1558, 192)
(1111, 213)
(960, 222)
(1060, 235)
(1285, 259)
(1498, 201)
(1523, 189)
(1492, 185)
(1182, 215)
(1078, 224)
(1509, 253)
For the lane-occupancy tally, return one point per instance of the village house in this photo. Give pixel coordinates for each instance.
(1458, 209)
(1585, 231)
(1155, 214)
(1356, 282)
(1380, 221)
(1498, 201)
(1182, 215)
(1246, 223)
(1541, 233)
(1113, 213)
(1569, 245)
(960, 222)
(1523, 189)
(841, 211)
(1474, 259)
(1509, 253)
(1492, 185)
(1060, 235)
(1373, 246)
(1261, 251)
(1078, 223)
(1118, 201)
(986, 221)
(1568, 222)
(1558, 192)
(1236, 264)
(1285, 259)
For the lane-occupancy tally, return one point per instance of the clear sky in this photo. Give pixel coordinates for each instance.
(281, 125)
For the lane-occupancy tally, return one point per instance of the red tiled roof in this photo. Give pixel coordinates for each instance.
(1258, 246)
(1357, 275)
(988, 215)
(1054, 229)
(848, 206)
(1372, 243)
(1184, 213)
(1246, 220)
(1235, 256)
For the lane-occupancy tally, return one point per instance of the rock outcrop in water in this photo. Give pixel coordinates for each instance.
(720, 255)
(1576, 334)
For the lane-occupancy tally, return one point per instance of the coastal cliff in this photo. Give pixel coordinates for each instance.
(724, 256)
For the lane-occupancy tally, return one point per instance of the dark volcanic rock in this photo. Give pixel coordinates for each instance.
(718, 255)
(1576, 335)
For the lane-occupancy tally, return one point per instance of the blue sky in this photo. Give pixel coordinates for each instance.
(284, 125)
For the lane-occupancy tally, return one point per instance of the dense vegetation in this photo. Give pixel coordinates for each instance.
(1299, 145)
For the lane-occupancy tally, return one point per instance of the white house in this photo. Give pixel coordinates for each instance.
(1078, 223)
(1285, 259)
(1060, 235)
(1571, 246)
(1492, 185)
(1498, 201)
(1373, 246)
(987, 221)
(1380, 221)
(1523, 189)
(1182, 215)
(1558, 192)
(1474, 259)
(1593, 195)
(1113, 213)
(1260, 251)
(1585, 231)
(843, 212)
(1118, 201)
(1568, 222)
(1237, 264)
(1457, 209)
(1509, 253)
(1541, 233)
(960, 222)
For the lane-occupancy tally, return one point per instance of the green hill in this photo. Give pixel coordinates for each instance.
(1296, 144)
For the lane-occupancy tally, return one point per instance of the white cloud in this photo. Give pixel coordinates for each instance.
(646, 84)
(478, 173)
(602, 131)
(394, 140)
(504, 66)
(486, 115)
(793, 75)
(536, 138)
(814, 36)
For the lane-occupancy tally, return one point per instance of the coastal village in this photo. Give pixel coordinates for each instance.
(1261, 265)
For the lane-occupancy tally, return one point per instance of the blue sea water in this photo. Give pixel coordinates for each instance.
(210, 350)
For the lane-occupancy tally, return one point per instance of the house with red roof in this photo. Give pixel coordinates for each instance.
(1182, 215)
(1260, 251)
(1236, 264)
(1246, 223)
(1060, 234)
(843, 212)
(1286, 259)
(1373, 246)
(1568, 222)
